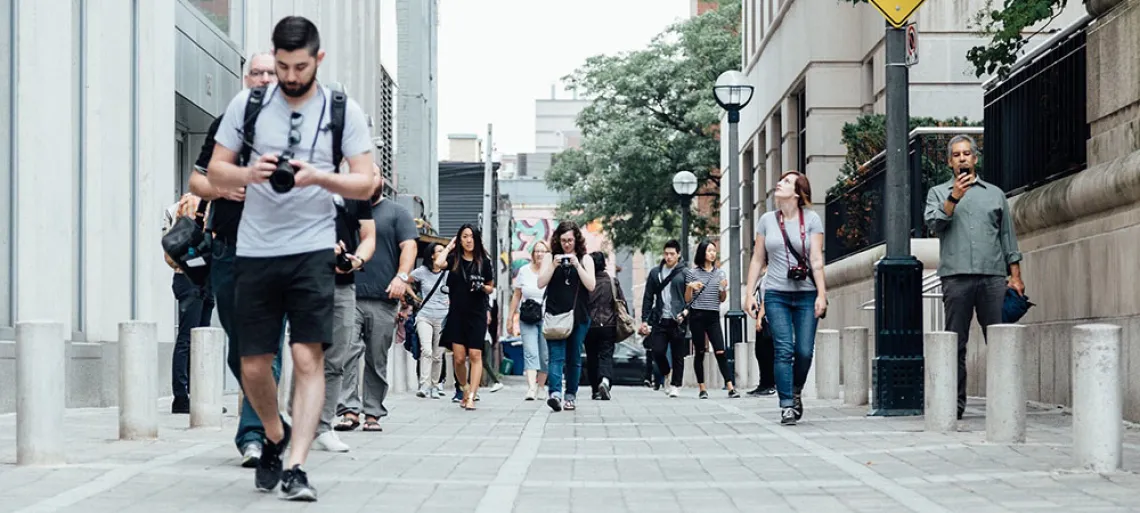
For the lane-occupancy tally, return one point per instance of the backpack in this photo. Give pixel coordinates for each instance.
(256, 101)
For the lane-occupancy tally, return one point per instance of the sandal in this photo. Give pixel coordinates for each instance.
(372, 425)
(348, 423)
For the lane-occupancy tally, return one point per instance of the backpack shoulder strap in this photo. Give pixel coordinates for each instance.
(253, 107)
(337, 110)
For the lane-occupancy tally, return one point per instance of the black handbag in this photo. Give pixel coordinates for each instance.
(189, 245)
(530, 312)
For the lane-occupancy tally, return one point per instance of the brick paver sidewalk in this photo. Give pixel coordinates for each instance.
(640, 452)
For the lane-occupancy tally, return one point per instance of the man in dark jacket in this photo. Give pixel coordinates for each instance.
(662, 314)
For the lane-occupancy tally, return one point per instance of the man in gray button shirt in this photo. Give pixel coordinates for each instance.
(978, 254)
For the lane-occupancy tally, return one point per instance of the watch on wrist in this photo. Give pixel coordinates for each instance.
(403, 276)
(952, 199)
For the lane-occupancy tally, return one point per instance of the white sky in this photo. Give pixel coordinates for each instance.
(496, 57)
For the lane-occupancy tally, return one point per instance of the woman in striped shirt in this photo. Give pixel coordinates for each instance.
(706, 290)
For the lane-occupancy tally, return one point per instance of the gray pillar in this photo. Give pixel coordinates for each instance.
(1098, 400)
(138, 380)
(940, 355)
(1005, 384)
(207, 382)
(856, 380)
(827, 363)
(41, 378)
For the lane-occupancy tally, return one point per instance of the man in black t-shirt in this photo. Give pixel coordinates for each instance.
(356, 243)
(225, 215)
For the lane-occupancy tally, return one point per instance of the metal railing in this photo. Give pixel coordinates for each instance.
(931, 296)
(1035, 119)
(856, 217)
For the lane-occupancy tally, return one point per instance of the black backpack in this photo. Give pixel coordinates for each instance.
(256, 101)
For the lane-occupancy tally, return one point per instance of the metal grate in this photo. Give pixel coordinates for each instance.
(387, 116)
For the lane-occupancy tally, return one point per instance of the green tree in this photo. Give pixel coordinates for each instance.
(1007, 27)
(652, 115)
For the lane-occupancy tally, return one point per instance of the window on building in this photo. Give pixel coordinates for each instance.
(6, 171)
(227, 15)
(801, 131)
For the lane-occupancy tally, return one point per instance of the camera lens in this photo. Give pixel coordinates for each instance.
(282, 178)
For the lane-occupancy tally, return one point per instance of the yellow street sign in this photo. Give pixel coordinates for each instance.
(896, 11)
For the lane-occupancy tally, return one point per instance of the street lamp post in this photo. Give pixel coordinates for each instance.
(732, 93)
(685, 185)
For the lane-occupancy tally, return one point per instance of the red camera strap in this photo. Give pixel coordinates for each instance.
(803, 236)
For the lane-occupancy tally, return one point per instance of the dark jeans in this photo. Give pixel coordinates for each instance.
(600, 355)
(765, 355)
(702, 324)
(222, 281)
(195, 308)
(793, 322)
(962, 295)
(665, 340)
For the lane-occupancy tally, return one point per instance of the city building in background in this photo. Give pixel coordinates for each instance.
(417, 116)
(133, 86)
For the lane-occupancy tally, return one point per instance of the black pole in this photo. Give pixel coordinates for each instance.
(898, 364)
(686, 206)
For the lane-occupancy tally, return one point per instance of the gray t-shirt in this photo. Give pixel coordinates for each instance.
(301, 220)
(394, 224)
(437, 305)
(779, 257)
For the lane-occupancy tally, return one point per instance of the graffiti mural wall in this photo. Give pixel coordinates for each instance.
(534, 225)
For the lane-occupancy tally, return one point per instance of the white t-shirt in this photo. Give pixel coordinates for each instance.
(527, 281)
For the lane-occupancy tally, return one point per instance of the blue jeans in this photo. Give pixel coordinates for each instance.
(536, 355)
(791, 317)
(567, 355)
(222, 281)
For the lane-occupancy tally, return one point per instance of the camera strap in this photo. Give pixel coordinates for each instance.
(788, 246)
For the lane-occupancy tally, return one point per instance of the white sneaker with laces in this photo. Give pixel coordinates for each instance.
(496, 387)
(328, 441)
(674, 392)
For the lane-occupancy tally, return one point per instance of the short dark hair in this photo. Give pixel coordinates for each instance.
(599, 261)
(699, 259)
(294, 33)
(673, 244)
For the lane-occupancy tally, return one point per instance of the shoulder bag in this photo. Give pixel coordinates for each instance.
(625, 325)
(560, 326)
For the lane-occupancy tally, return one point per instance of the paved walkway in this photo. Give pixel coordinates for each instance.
(640, 452)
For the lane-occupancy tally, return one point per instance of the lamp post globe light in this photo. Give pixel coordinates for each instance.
(685, 185)
(733, 92)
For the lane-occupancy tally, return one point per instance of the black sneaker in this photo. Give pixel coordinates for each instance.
(554, 402)
(269, 466)
(788, 417)
(798, 405)
(180, 406)
(295, 486)
(704, 394)
(733, 394)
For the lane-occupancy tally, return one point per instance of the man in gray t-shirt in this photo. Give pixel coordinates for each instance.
(285, 257)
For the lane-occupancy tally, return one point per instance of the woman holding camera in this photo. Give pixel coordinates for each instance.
(568, 277)
(470, 280)
(789, 241)
(706, 288)
(526, 319)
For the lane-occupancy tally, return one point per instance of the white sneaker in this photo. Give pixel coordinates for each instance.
(674, 392)
(496, 387)
(421, 393)
(435, 393)
(328, 441)
(531, 392)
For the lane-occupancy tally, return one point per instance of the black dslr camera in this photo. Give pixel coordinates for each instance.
(798, 273)
(565, 262)
(282, 177)
(343, 263)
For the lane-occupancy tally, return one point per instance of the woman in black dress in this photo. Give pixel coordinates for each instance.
(470, 282)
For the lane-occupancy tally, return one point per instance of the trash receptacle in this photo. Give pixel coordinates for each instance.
(512, 352)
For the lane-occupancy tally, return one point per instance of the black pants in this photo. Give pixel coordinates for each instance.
(962, 295)
(600, 355)
(667, 336)
(195, 308)
(702, 324)
(765, 355)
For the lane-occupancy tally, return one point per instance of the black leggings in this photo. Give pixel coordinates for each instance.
(707, 323)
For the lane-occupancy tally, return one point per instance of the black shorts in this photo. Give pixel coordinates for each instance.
(467, 329)
(270, 289)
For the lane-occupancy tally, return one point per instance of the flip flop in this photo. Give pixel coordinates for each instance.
(372, 425)
(347, 424)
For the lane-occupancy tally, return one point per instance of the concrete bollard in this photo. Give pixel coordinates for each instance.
(828, 360)
(1006, 398)
(940, 362)
(207, 357)
(856, 381)
(41, 391)
(1098, 400)
(138, 380)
